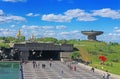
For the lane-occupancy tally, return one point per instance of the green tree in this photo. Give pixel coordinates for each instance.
(20, 39)
(73, 41)
(46, 39)
(50, 39)
(63, 41)
(75, 55)
(7, 39)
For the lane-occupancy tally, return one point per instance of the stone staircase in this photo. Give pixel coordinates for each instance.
(58, 70)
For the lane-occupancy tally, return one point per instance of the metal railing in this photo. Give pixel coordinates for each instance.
(21, 71)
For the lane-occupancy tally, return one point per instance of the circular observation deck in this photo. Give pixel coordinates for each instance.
(92, 34)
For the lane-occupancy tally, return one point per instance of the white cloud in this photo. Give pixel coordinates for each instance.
(33, 27)
(7, 32)
(14, 1)
(116, 30)
(36, 14)
(64, 33)
(15, 18)
(113, 36)
(12, 26)
(56, 18)
(81, 15)
(60, 27)
(32, 14)
(108, 13)
(49, 33)
(110, 34)
(29, 14)
(30, 27)
(70, 32)
(74, 34)
(1, 12)
(86, 18)
(75, 31)
(9, 18)
(47, 27)
(41, 31)
(78, 14)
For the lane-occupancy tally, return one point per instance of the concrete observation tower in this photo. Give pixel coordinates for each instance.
(92, 34)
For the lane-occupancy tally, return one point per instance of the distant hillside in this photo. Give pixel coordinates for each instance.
(91, 50)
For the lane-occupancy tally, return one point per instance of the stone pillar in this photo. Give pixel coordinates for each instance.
(65, 56)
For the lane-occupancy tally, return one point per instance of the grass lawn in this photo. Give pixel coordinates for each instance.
(111, 67)
(92, 50)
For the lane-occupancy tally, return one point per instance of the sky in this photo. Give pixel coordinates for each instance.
(61, 19)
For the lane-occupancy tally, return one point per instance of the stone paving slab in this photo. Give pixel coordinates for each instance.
(55, 71)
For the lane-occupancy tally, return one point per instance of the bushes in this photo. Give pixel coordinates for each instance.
(75, 55)
(115, 60)
(92, 51)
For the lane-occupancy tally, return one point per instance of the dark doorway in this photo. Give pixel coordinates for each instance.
(43, 55)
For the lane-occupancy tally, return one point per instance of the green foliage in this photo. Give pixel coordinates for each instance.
(112, 67)
(113, 43)
(92, 50)
(96, 49)
(63, 41)
(7, 39)
(75, 55)
(12, 39)
(4, 45)
(20, 39)
(39, 40)
(73, 41)
(115, 60)
(47, 39)
(50, 39)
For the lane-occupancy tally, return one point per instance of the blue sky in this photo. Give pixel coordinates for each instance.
(62, 19)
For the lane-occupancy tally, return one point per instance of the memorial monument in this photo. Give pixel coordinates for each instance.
(92, 34)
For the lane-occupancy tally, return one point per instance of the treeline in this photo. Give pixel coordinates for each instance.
(56, 41)
(45, 39)
(9, 39)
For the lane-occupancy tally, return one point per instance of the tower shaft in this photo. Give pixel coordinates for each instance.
(91, 37)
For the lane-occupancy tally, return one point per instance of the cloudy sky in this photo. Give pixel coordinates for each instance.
(62, 19)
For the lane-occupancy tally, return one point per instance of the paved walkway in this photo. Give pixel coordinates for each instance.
(59, 70)
(112, 76)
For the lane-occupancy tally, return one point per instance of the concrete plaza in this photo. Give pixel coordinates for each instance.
(59, 70)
